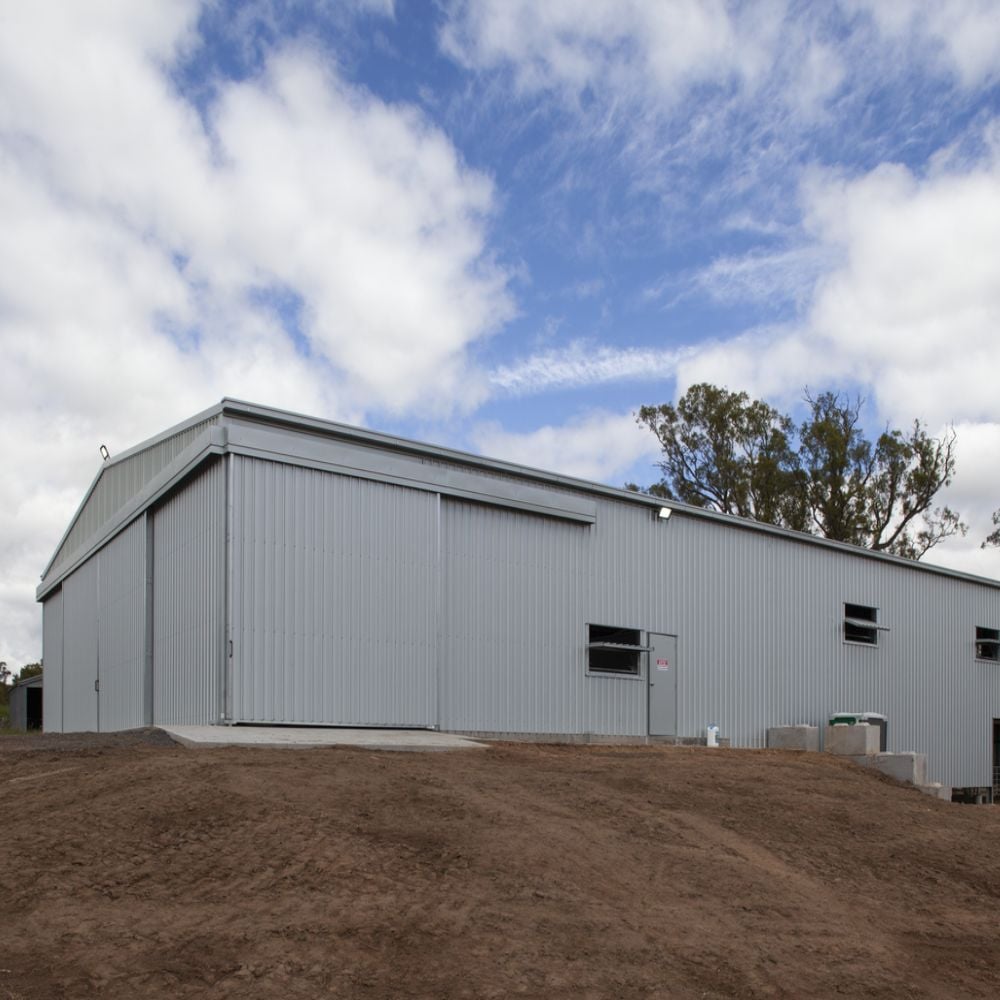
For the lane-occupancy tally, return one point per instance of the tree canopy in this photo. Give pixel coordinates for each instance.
(993, 538)
(29, 670)
(725, 451)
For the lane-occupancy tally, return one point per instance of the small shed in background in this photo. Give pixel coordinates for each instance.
(25, 700)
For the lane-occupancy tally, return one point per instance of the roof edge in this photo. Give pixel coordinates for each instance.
(276, 416)
(270, 414)
(212, 411)
(212, 442)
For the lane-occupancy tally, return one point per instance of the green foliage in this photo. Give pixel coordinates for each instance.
(724, 451)
(993, 538)
(29, 670)
(727, 452)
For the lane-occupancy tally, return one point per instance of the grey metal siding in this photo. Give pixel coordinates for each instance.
(518, 593)
(18, 708)
(52, 658)
(119, 482)
(759, 621)
(761, 633)
(189, 600)
(80, 640)
(760, 627)
(122, 618)
(333, 596)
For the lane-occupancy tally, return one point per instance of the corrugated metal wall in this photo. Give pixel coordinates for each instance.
(759, 621)
(334, 599)
(52, 658)
(80, 636)
(122, 629)
(189, 535)
(93, 630)
(761, 626)
(120, 482)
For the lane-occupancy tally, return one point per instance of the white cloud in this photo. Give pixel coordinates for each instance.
(908, 301)
(581, 363)
(598, 446)
(636, 50)
(141, 242)
(909, 307)
(963, 35)
(772, 363)
(975, 494)
(368, 213)
(571, 47)
(764, 276)
(916, 301)
(719, 104)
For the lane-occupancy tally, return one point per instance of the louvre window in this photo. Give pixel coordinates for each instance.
(614, 650)
(861, 624)
(987, 643)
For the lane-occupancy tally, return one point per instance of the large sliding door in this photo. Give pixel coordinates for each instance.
(334, 599)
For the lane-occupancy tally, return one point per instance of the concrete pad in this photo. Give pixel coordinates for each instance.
(298, 737)
(852, 741)
(793, 738)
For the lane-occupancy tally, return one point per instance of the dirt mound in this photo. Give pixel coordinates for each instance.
(143, 870)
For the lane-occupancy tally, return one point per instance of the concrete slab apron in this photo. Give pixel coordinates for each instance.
(285, 736)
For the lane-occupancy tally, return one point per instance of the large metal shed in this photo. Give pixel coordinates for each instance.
(252, 565)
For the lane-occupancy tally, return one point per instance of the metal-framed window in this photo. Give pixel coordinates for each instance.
(612, 649)
(861, 624)
(987, 643)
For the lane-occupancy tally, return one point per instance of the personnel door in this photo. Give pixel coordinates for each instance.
(662, 685)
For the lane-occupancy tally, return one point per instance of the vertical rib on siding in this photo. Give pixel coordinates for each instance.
(80, 641)
(189, 600)
(333, 598)
(52, 657)
(119, 483)
(122, 616)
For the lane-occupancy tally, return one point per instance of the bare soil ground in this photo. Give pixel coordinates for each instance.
(138, 869)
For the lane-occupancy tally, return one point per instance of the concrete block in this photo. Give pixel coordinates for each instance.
(793, 737)
(911, 767)
(852, 741)
(937, 791)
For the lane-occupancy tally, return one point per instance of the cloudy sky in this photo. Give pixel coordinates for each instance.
(499, 225)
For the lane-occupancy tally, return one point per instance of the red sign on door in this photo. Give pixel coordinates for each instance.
(662, 664)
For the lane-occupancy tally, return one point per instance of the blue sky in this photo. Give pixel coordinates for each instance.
(498, 225)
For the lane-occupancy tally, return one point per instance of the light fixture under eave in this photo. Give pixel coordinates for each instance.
(665, 513)
(105, 454)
